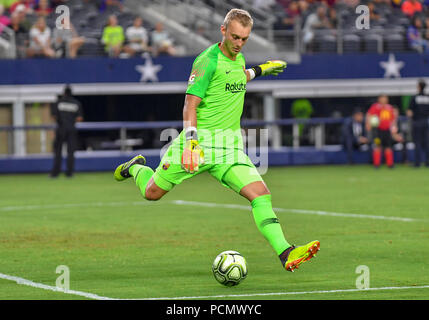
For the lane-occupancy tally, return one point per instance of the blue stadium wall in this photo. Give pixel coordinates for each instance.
(106, 70)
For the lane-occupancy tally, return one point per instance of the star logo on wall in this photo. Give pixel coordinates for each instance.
(391, 67)
(148, 70)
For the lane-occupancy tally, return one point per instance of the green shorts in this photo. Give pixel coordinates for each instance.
(241, 171)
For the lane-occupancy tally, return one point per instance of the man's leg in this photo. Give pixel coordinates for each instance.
(246, 181)
(71, 147)
(144, 179)
(58, 144)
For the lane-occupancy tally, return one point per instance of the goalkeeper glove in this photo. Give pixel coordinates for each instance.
(273, 67)
(192, 155)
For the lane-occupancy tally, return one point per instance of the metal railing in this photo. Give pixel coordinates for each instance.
(290, 127)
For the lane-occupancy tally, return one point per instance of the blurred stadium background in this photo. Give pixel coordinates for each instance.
(128, 98)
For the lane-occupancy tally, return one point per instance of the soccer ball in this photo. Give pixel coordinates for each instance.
(229, 268)
(374, 121)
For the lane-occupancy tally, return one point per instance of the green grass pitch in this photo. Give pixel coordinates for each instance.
(118, 245)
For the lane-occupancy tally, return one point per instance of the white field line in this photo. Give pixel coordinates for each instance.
(298, 211)
(288, 293)
(200, 204)
(25, 282)
(30, 283)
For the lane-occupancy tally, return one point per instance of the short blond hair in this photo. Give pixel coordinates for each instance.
(240, 15)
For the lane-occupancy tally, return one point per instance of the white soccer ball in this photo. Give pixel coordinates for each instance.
(229, 268)
(374, 121)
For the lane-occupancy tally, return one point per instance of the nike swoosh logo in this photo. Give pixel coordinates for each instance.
(228, 71)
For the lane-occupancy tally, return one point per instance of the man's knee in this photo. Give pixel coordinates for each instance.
(153, 192)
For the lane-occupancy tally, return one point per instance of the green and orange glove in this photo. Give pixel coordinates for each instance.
(193, 154)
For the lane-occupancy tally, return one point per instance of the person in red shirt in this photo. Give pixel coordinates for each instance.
(381, 120)
(410, 7)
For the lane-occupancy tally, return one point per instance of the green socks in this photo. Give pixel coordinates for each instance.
(268, 224)
(142, 175)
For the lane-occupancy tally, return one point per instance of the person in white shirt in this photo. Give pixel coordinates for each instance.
(161, 41)
(137, 38)
(40, 40)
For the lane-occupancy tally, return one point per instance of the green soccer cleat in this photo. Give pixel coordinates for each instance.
(299, 255)
(122, 171)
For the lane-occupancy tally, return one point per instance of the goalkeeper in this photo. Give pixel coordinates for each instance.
(211, 138)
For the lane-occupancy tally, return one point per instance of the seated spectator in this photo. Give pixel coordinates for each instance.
(21, 11)
(67, 41)
(43, 8)
(316, 20)
(4, 20)
(415, 38)
(21, 35)
(137, 38)
(292, 12)
(161, 41)
(374, 14)
(354, 135)
(113, 37)
(111, 5)
(40, 40)
(411, 7)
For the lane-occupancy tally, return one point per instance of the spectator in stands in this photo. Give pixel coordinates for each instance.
(415, 38)
(21, 35)
(66, 112)
(354, 135)
(292, 12)
(137, 38)
(4, 20)
(40, 40)
(43, 8)
(161, 41)
(22, 16)
(317, 20)
(111, 5)
(67, 41)
(374, 14)
(113, 37)
(411, 7)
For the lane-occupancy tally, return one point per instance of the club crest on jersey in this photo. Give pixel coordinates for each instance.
(235, 87)
(165, 166)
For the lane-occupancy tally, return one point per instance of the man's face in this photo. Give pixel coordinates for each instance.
(383, 100)
(358, 116)
(235, 37)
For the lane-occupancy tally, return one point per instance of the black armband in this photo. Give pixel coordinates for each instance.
(258, 71)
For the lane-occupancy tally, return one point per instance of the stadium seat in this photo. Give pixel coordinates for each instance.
(351, 43)
(326, 44)
(372, 43)
(394, 43)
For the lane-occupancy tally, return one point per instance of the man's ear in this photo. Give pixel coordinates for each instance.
(223, 30)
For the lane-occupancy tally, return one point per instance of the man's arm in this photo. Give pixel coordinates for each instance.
(190, 111)
(192, 155)
(273, 67)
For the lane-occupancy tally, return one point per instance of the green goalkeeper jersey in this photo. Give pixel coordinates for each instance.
(221, 84)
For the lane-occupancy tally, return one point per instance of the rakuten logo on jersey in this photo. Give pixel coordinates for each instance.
(235, 87)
